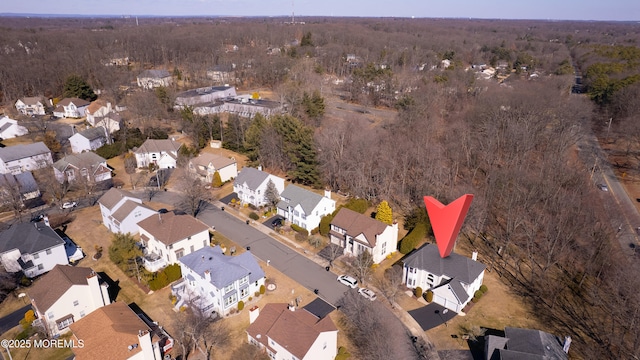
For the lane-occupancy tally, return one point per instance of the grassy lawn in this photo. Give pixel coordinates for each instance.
(38, 353)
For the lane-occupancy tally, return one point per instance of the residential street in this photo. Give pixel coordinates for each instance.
(12, 320)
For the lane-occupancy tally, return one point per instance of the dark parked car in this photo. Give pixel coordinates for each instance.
(277, 222)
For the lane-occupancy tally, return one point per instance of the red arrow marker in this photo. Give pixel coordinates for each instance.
(446, 221)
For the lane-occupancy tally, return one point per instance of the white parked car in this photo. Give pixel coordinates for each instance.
(603, 187)
(367, 293)
(348, 281)
(69, 205)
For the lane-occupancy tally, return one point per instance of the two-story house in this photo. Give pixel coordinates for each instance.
(21, 158)
(168, 237)
(357, 233)
(162, 153)
(289, 333)
(89, 139)
(203, 95)
(150, 79)
(251, 185)
(66, 294)
(71, 108)
(33, 248)
(121, 211)
(30, 106)
(453, 279)
(97, 108)
(303, 207)
(9, 128)
(519, 343)
(115, 331)
(87, 166)
(216, 283)
(205, 166)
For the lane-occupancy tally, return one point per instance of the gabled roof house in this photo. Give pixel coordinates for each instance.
(215, 283)
(33, 248)
(66, 294)
(31, 105)
(251, 184)
(163, 153)
(10, 129)
(303, 207)
(205, 166)
(121, 211)
(453, 279)
(23, 185)
(150, 79)
(357, 233)
(21, 158)
(88, 139)
(289, 333)
(526, 344)
(86, 166)
(71, 108)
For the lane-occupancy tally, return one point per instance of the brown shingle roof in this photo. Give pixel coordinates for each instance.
(158, 145)
(125, 209)
(111, 197)
(294, 330)
(107, 332)
(48, 289)
(355, 224)
(170, 228)
(96, 105)
(218, 162)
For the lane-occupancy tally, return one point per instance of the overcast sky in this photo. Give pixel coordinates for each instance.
(624, 10)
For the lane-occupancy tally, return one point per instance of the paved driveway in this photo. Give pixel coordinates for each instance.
(431, 315)
(12, 320)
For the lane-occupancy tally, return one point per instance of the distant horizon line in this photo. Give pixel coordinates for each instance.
(125, 16)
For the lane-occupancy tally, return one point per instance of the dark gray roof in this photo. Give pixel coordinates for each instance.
(308, 200)
(453, 266)
(94, 133)
(319, 308)
(253, 177)
(25, 180)
(88, 160)
(202, 91)
(531, 344)
(111, 197)
(224, 269)
(11, 153)
(158, 145)
(29, 238)
(154, 74)
(458, 290)
(493, 343)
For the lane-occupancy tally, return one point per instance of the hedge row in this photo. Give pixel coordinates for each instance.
(413, 238)
(300, 230)
(165, 277)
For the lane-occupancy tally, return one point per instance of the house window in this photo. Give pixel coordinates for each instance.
(243, 281)
(384, 248)
(40, 266)
(50, 315)
(82, 314)
(48, 251)
(76, 303)
(65, 323)
(204, 242)
(228, 288)
(230, 300)
(36, 256)
(179, 254)
(244, 293)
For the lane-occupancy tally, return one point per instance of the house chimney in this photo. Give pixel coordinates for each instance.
(291, 308)
(253, 314)
(474, 256)
(160, 217)
(207, 275)
(327, 194)
(260, 167)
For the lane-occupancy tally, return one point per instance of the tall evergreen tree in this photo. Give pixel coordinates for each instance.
(76, 86)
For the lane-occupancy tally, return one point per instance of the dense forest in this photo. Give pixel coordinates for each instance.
(511, 138)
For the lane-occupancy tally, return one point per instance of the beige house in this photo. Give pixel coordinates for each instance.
(30, 106)
(205, 166)
(66, 294)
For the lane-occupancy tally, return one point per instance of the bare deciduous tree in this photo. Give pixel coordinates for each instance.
(195, 197)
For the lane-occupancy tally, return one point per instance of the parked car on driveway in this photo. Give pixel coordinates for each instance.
(367, 294)
(69, 205)
(277, 222)
(348, 281)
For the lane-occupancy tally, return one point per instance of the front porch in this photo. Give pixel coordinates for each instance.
(153, 262)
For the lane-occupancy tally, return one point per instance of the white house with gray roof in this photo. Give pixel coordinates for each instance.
(88, 139)
(86, 166)
(30, 106)
(251, 185)
(303, 207)
(10, 129)
(121, 211)
(25, 157)
(453, 279)
(161, 152)
(22, 185)
(206, 165)
(150, 79)
(33, 248)
(215, 282)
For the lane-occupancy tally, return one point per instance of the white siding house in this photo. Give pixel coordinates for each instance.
(72, 107)
(89, 139)
(168, 237)
(162, 153)
(121, 211)
(88, 167)
(453, 279)
(303, 207)
(9, 128)
(22, 158)
(205, 166)
(33, 248)
(67, 294)
(150, 79)
(288, 333)
(215, 282)
(30, 106)
(251, 185)
(357, 233)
